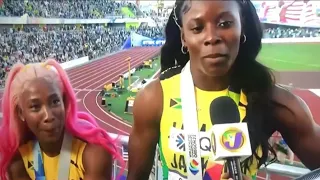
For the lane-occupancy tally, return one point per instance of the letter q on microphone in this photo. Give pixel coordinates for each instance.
(230, 137)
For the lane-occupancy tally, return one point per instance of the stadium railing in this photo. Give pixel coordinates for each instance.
(275, 168)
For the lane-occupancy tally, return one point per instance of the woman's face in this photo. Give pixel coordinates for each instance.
(211, 30)
(42, 109)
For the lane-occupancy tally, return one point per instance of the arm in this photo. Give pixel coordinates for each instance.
(298, 128)
(97, 163)
(16, 170)
(147, 111)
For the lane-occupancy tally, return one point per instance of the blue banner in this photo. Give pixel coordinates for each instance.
(136, 39)
(127, 44)
(139, 40)
(156, 42)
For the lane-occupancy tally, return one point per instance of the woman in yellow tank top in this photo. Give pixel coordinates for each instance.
(42, 135)
(222, 40)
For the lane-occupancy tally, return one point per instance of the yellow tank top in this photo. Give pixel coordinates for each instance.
(51, 163)
(172, 147)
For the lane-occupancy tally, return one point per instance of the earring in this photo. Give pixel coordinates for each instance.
(244, 39)
(182, 49)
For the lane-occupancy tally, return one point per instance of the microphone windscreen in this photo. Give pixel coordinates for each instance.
(224, 110)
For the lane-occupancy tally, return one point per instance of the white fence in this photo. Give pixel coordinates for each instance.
(75, 62)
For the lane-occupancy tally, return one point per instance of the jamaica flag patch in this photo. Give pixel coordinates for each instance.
(175, 103)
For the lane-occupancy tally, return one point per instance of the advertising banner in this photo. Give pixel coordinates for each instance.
(140, 40)
(293, 13)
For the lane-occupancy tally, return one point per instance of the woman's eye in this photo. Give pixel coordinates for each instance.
(34, 107)
(225, 24)
(56, 102)
(197, 29)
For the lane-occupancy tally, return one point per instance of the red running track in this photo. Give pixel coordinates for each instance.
(88, 80)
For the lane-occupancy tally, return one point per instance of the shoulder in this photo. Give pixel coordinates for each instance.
(148, 102)
(168, 73)
(282, 95)
(16, 160)
(291, 111)
(16, 167)
(96, 159)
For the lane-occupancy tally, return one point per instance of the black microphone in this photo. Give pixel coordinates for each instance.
(230, 138)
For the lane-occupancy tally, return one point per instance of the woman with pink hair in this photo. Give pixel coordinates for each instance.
(43, 136)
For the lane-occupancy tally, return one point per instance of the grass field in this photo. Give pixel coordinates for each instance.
(118, 104)
(291, 57)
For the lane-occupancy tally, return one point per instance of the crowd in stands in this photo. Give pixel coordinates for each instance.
(64, 43)
(61, 9)
(61, 43)
(153, 32)
(84, 9)
(284, 32)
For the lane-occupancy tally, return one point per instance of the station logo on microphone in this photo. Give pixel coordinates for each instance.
(194, 167)
(232, 139)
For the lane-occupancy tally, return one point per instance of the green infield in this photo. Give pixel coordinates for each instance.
(291, 57)
(117, 104)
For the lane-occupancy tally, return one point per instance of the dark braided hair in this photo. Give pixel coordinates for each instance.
(252, 77)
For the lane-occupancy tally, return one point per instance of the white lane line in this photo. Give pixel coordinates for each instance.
(315, 91)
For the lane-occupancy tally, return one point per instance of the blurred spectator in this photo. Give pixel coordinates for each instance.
(151, 32)
(61, 43)
(64, 43)
(284, 153)
(291, 32)
(84, 9)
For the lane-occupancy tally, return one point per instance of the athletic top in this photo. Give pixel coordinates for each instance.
(51, 163)
(171, 143)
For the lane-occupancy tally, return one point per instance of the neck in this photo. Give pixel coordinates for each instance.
(209, 83)
(52, 149)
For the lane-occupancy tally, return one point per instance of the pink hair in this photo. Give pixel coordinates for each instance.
(13, 132)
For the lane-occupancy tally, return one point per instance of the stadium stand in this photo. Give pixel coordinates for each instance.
(281, 31)
(32, 44)
(61, 9)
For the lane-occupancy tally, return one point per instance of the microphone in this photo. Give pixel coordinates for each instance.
(229, 138)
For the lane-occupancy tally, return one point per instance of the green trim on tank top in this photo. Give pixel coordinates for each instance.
(165, 169)
(254, 177)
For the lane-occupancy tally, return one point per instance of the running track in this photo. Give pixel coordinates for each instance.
(89, 79)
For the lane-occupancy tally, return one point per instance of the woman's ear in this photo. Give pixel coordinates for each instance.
(19, 113)
(182, 37)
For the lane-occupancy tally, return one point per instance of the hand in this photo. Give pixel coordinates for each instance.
(225, 176)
